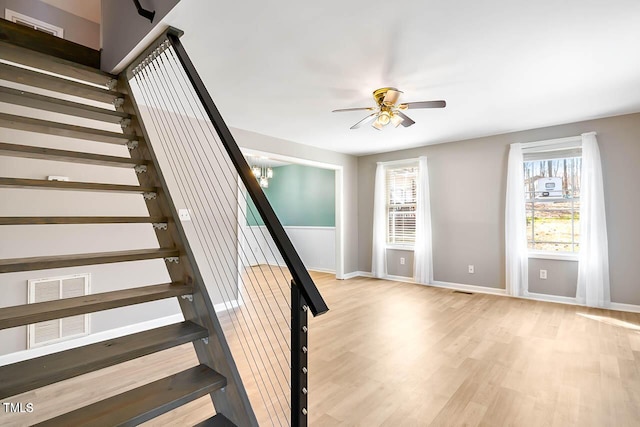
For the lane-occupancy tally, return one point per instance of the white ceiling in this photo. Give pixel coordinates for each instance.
(280, 68)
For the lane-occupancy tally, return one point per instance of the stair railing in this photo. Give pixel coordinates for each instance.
(195, 149)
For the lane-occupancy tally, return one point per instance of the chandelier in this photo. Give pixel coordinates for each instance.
(263, 174)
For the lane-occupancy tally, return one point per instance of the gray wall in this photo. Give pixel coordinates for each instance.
(256, 141)
(36, 240)
(394, 263)
(468, 180)
(561, 280)
(76, 29)
(123, 28)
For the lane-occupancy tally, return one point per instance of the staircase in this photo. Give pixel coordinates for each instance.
(216, 373)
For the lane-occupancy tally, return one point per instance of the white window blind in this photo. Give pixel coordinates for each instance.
(401, 205)
(50, 289)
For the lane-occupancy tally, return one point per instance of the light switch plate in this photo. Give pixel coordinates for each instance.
(184, 214)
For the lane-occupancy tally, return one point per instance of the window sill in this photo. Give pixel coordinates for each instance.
(554, 256)
(400, 247)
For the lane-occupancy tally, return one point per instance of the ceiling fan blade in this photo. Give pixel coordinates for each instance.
(364, 121)
(407, 121)
(423, 104)
(353, 109)
(391, 97)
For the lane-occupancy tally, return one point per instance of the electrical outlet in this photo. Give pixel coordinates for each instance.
(471, 269)
(543, 274)
(402, 261)
(57, 178)
(184, 214)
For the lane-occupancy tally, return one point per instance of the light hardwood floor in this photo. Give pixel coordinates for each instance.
(397, 354)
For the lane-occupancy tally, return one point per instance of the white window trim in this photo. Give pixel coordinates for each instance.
(553, 145)
(398, 164)
(558, 143)
(11, 15)
(560, 256)
(400, 247)
(408, 162)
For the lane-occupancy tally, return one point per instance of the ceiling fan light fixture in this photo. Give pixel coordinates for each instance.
(391, 96)
(384, 118)
(389, 111)
(396, 120)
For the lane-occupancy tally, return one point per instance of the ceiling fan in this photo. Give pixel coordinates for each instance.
(387, 111)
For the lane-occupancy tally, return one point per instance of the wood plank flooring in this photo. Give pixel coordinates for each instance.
(397, 354)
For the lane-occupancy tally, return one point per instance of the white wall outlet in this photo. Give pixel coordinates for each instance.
(471, 269)
(402, 261)
(57, 178)
(184, 214)
(543, 274)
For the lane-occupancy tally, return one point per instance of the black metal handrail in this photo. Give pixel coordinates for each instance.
(305, 296)
(149, 14)
(291, 258)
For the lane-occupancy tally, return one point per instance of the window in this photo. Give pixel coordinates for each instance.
(401, 205)
(50, 289)
(552, 200)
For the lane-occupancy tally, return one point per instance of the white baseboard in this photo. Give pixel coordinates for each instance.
(224, 306)
(615, 306)
(19, 356)
(322, 270)
(468, 288)
(550, 298)
(618, 306)
(355, 274)
(400, 278)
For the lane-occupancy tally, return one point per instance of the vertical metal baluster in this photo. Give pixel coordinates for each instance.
(299, 357)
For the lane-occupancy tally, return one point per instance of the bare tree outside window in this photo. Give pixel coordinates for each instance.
(552, 200)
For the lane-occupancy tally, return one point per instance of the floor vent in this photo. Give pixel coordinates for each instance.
(463, 292)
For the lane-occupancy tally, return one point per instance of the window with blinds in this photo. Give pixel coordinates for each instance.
(50, 289)
(401, 205)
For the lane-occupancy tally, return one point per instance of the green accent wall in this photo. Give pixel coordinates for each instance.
(300, 196)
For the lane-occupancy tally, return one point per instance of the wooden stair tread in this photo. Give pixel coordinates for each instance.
(41, 153)
(73, 185)
(48, 103)
(12, 265)
(217, 420)
(27, 77)
(27, 314)
(45, 220)
(33, 48)
(144, 403)
(30, 124)
(41, 371)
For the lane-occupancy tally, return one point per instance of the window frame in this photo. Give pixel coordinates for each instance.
(550, 146)
(390, 166)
